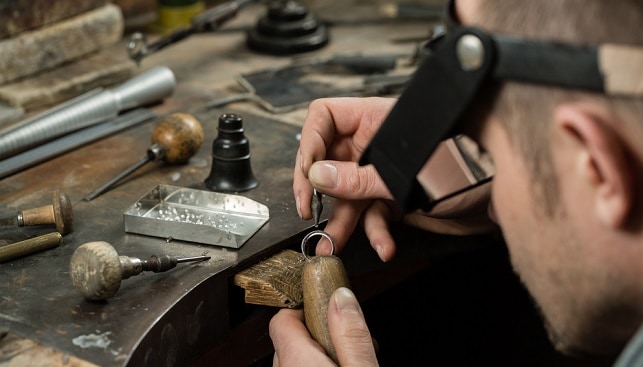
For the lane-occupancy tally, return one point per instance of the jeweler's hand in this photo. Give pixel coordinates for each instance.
(352, 341)
(334, 135)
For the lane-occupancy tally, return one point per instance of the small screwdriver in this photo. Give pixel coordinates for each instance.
(316, 206)
(174, 140)
(96, 269)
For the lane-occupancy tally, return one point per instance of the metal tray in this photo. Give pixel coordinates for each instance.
(195, 215)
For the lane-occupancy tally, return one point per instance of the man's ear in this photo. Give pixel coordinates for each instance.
(603, 159)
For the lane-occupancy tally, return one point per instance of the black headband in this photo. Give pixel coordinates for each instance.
(445, 84)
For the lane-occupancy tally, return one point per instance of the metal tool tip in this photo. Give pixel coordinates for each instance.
(316, 206)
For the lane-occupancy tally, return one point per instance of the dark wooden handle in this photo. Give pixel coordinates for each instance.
(180, 135)
(321, 276)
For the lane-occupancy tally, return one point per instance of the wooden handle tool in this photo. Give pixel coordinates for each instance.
(59, 213)
(96, 269)
(174, 140)
(321, 276)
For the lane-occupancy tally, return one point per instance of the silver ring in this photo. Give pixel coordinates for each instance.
(321, 233)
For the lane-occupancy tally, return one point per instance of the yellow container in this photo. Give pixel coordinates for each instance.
(176, 15)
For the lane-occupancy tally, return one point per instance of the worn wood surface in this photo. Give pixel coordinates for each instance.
(18, 351)
(45, 48)
(103, 68)
(20, 15)
(174, 317)
(275, 281)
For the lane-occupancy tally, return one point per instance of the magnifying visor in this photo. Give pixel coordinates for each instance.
(427, 119)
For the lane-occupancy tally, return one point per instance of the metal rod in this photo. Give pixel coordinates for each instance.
(150, 86)
(120, 176)
(67, 143)
(194, 258)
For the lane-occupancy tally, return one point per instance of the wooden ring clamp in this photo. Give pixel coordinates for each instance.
(321, 233)
(321, 276)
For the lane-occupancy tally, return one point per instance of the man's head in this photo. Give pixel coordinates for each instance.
(568, 168)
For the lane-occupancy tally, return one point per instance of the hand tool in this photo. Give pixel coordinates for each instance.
(207, 21)
(32, 157)
(317, 206)
(96, 269)
(320, 277)
(58, 213)
(174, 140)
(288, 27)
(30, 246)
(86, 110)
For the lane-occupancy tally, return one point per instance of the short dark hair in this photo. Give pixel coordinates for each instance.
(525, 109)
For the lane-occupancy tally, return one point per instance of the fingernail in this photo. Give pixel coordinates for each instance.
(345, 300)
(298, 205)
(323, 174)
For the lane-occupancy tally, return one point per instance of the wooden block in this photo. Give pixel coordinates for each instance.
(105, 68)
(275, 281)
(48, 47)
(20, 15)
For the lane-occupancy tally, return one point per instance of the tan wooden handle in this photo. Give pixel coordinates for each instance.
(41, 215)
(321, 276)
(30, 246)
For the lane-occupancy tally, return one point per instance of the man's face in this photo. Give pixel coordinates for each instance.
(552, 254)
(533, 239)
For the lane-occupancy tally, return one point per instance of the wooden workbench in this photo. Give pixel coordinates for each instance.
(193, 314)
(170, 318)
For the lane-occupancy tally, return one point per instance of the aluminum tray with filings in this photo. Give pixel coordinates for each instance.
(196, 215)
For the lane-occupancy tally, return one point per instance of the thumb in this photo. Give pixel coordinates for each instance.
(348, 331)
(347, 180)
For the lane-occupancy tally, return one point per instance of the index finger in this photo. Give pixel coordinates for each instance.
(328, 119)
(331, 117)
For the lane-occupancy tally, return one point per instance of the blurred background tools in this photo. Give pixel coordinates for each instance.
(283, 89)
(207, 21)
(288, 27)
(51, 52)
(96, 269)
(59, 212)
(174, 140)
(30, 246)
(86, 110)
(34, 41)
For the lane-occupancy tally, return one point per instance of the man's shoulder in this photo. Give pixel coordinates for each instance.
(632, 355)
